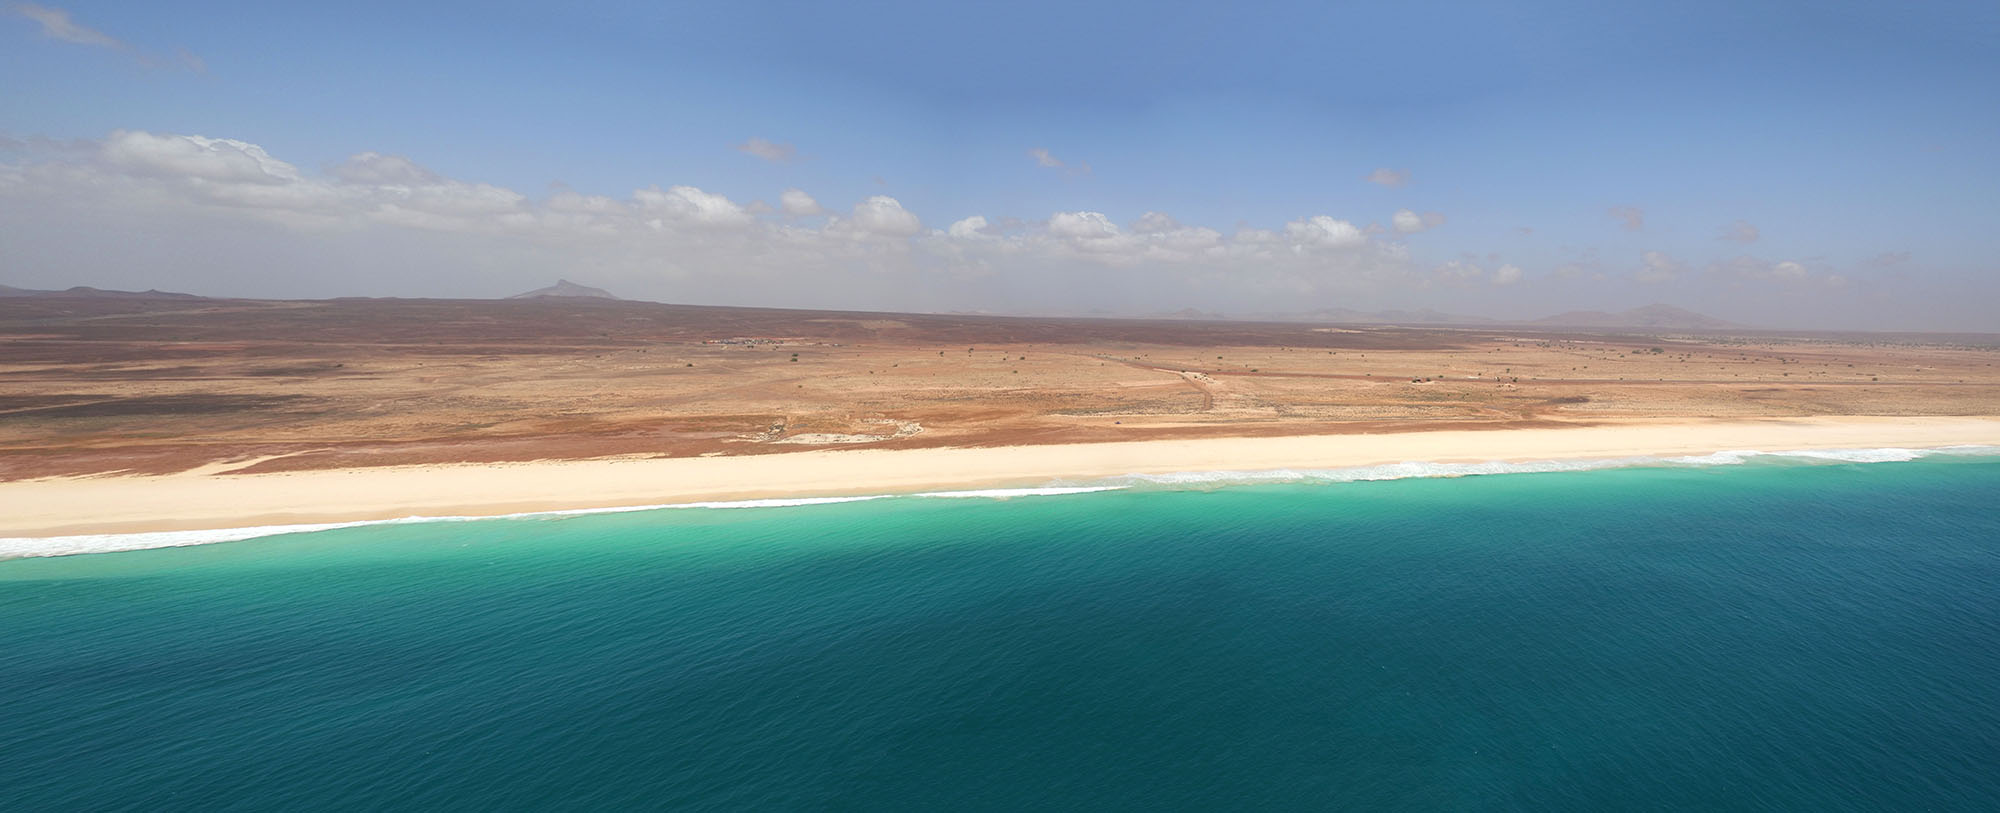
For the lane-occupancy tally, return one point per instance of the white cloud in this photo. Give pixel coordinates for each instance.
(1155, 223)
(456, 199)
(57, 25)
(1156, 239)
(672, 232)
(1323, 231)
(1744, 268)
(1082, 225)
(884, 215)
(1631, 217)
(797, 202)
(1183, 242)
(1409, 222)
(1739, 232)
(376, 168)
(772, 151)
(691, 205)
(1506, 275)
(195, 157)
(569, 202)
(1384, 176)
(1043, 158)
(971, 228)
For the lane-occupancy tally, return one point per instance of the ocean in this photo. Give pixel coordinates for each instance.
(1752, 632)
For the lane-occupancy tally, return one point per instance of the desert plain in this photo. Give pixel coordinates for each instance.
(143, 390)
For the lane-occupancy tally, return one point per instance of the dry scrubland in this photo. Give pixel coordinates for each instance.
(92, 386)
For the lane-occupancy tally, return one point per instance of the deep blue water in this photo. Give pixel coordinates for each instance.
(1809, 637)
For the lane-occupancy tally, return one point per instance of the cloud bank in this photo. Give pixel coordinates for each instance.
(674, 231)
(195, 207)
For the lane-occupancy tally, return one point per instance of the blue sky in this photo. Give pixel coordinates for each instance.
(1854, 141)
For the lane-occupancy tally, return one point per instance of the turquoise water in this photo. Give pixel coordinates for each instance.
(1804, 637)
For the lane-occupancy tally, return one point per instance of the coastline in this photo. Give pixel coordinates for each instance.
(193, 501)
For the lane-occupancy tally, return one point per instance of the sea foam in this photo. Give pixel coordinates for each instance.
(1005, 493)
(1417, 469)
(24, 547)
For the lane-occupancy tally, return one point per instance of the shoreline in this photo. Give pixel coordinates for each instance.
(196, 501)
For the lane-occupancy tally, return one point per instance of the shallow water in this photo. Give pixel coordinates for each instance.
(1747, 636)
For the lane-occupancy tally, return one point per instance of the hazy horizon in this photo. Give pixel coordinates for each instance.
(1190, 314)
(1792, 167)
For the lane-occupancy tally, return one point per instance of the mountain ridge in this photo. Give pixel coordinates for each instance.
(567, 290)
(85, 291)
(1657, 316)
(1649, 316)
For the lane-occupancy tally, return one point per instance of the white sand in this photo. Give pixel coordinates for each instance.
(201, 500)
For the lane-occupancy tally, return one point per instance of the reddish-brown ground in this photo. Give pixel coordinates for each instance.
(93, 385)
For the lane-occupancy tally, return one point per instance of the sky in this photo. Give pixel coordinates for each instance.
(1802, 165)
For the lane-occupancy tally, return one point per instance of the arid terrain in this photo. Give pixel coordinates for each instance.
(93, 385)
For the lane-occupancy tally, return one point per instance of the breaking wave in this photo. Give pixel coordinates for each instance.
(1413, 469)
(1004, 493)
(22, 547)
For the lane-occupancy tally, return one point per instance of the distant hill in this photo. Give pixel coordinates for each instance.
(565, 288)
(1389, 317)
(1657, 317)
(1190, 313)
(1649, 316)
(86, 291)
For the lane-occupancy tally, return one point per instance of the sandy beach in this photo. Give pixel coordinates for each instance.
(211, 499)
